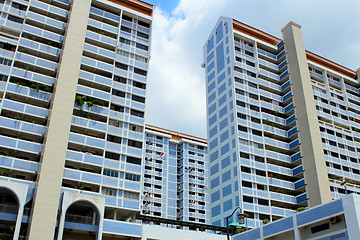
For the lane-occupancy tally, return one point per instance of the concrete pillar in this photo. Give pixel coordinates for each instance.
(48, 188)
(313, 161)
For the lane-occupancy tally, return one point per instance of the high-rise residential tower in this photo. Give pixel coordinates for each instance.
(73, 84)
(175, 176)
(283, 128)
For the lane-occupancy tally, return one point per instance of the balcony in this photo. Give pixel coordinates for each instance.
(97, 80)
(32, 76)
(49, 8)
(21, 145)
(45, 22)
(22, 108)
(29, 95)
(21, 126)
(89, 124)
(38, 32)
(86, 141)
(105, 15)
(49, 51)
(94, 93)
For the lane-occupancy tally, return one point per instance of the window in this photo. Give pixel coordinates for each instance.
(123, 53)
(127, 18)
(253, 96)
(320, 228)
(139, 85)
(140, 72)
(244, 155)
(120, 79)
(245, 169)
(109, 191)
(256, 132)
(240, 103)
(260, 173)
(137, 113)
(241, 92)
(258, 145)
(239, 80)
(118, 93)
(124, 40)
(241, 116)
(142, 47)
(115, 123)
(141, 59)
(143, 35)
(242, 129)
(255, 120)
(133, 143)
(250, 63)
(246, 184)
(238, 69)
(19, 6)
(255, 108)
(110, 173)
(116, 108)
(253, 85)
(113, 156)
(3, 78)
(138, 98)
(132, 177)
(15, 19)
(5, 62)
(114, 139)
(121, 66)
(248, 199)
(7, 46)
(259, 159)
(125, 29)
(131, 195)
(133, 160)
(135, 128)
(144, 24)
(238, 59)
(263, 202)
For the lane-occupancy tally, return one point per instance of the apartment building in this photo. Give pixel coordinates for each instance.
(73, 87)
(283, 124)
(175, 176)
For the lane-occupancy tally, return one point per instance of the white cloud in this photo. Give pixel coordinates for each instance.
(176, 89)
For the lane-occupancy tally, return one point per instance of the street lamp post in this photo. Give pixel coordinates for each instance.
(241, 217)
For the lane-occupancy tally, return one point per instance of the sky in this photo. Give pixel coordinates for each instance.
(176, 97)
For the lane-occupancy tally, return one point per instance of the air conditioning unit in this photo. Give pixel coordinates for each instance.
(335, 220)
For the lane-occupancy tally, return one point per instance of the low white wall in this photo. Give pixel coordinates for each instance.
(155, 232)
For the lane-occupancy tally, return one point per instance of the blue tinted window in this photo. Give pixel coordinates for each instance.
(213, 131)
(220, 58)
(223, 124)
(221, 89)
(219, 32)
(227, 205)
(211, 76)
(211, 86)
(225, 149)
(215, 196)
(212, 120)
(224, 136)
(226, 190)
(212, 97)
(226, 176)
(213, 143)
(236, 186)
(222, 100)
(223, 111)
(215, 211)
(221, 78)
(211, 56)
(214, 156)
(212, 108)
(215, 182)
(210, 44)
(210, 66)
(214, 169)
(225, 162)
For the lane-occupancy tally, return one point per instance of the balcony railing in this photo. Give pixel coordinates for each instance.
(80, 219)
(12, 209)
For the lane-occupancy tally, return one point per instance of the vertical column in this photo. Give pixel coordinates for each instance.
(358, 74)
(46, 198)
(351, 204)
(316, 178)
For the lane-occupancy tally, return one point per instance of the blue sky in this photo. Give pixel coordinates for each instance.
(176, 87)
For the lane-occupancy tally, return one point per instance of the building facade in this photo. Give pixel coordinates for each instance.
(282, 124)
(175, 176)
(73, 87)
(338, 219)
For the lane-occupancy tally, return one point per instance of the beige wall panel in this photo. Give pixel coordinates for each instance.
(46, 199)
(316, 178)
